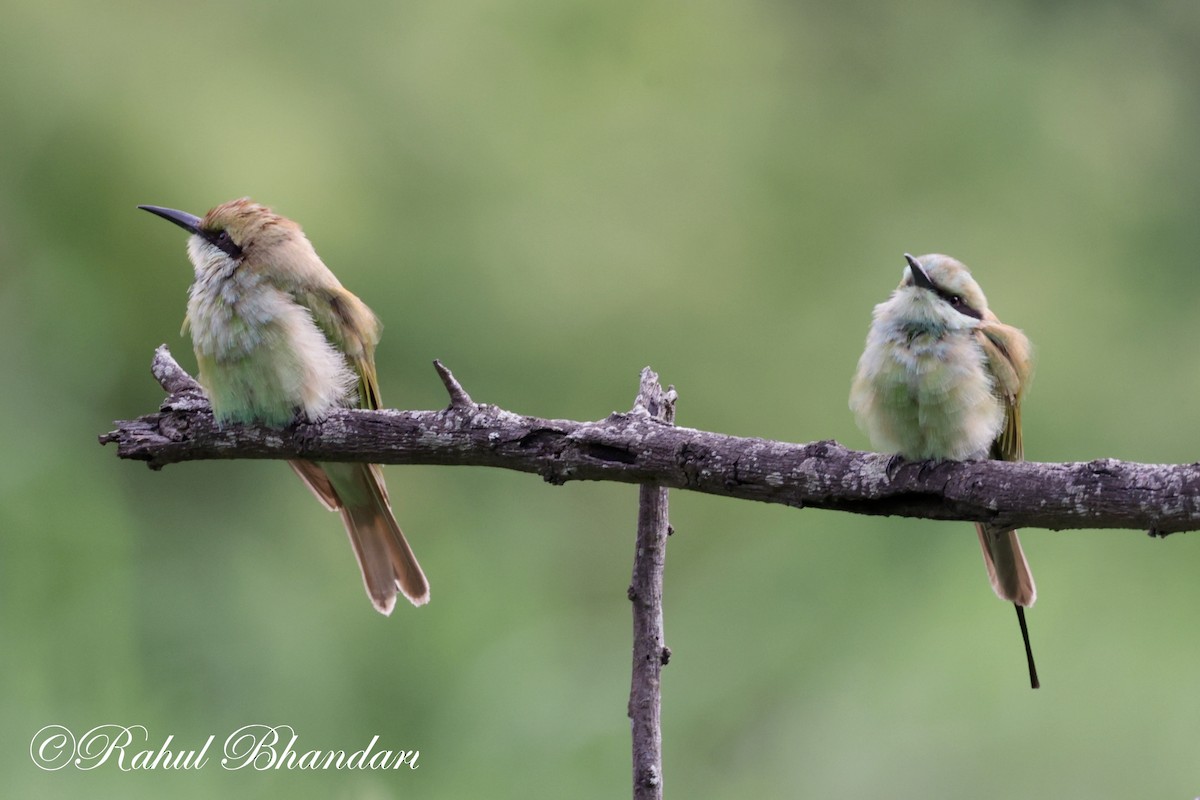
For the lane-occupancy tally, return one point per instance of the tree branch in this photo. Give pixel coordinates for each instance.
(636, 448)
(650, 654)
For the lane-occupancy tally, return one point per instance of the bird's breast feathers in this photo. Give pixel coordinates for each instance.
(260, 354)
(926, 396)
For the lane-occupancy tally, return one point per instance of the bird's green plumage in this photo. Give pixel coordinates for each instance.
(942, 378)
(278, 337)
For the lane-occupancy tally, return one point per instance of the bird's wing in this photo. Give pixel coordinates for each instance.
(353, 329)
(1007, 352)
(368, 382)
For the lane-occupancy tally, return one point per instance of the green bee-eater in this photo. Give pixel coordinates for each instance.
(942, 378)
(277, 336)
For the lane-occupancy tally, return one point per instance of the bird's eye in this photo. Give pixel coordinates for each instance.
(960, 305)
(224, 241)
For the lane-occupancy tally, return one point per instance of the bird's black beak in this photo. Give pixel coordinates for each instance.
(914, 266)
(189, 222)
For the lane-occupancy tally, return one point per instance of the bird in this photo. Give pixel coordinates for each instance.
(942, 378)
(278, 340)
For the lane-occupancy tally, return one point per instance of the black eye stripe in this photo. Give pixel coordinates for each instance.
(957, 303)
(224, 241)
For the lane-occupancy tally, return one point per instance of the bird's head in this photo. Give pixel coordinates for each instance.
(939, 291)
(242, 232)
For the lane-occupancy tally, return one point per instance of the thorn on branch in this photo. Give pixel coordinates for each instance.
(184, 393)
(183, 390)
(458, 395)
(653, 401)
(170, 376)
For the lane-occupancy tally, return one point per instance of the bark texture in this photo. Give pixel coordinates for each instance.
(650, 653)
(634, 447)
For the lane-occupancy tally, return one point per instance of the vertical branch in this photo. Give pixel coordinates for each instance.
(650, 654)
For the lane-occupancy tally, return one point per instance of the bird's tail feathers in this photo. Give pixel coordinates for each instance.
(384, 556)
(1006, 565)
(358, 493)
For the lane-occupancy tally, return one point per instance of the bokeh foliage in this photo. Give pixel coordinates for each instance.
(549, 196)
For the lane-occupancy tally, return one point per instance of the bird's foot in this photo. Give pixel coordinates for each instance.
(305, 431)
(926, 467)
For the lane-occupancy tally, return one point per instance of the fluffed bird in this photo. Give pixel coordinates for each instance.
(942, 378)
(277, 336)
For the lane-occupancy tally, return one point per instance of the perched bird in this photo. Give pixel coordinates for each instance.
(942, 378)
(276, 336)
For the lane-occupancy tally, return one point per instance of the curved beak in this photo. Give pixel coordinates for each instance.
(914, 266)
(189, 222)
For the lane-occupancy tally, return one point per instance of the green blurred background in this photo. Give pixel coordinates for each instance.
(549, 196)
